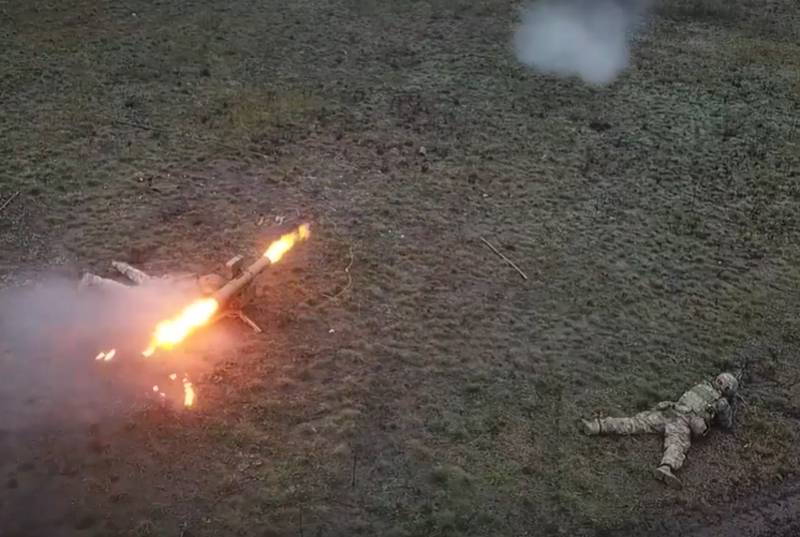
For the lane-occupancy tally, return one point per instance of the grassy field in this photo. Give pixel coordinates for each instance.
(408, 382)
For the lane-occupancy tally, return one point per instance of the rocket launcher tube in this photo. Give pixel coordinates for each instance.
(227, 291)
(170, 332)
(273, 254)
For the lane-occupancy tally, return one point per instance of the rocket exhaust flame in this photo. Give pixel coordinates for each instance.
(171, 332)
(285, 243)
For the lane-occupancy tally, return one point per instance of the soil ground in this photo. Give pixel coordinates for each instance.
(408, 382)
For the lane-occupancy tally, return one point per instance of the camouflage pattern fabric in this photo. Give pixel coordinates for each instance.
(700, 399)
(691, 415)
(673, 425)
(706, 401)
(647, 422)
(677, 440)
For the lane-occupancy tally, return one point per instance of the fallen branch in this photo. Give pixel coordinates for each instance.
(355, 461)
(133, 124)
(504, 258)
(9, 200)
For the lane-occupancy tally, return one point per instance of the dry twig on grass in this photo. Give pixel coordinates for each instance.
(9, 200)
(349, 279)
(504, 258)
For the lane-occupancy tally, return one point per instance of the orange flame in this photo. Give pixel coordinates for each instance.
(284, 244)
(170, 332)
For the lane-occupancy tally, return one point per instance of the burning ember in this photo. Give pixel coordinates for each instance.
(188, 393)
(171, 332)
(106, 356)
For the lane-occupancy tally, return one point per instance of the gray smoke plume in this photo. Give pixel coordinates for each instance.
(589, 39)
(49, 336)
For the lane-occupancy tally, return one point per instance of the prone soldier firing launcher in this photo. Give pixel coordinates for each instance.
(704, 405)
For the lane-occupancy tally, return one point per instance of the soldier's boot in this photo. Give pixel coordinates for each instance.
(664, 474)
(590, 427)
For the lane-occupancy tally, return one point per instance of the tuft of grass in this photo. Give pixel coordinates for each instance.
(451, 477)
(703, 10)
(144, 528)
(229, 486)
(254, 113)
(756, 51)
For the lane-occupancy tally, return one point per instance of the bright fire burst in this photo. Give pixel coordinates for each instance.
(170, 332)
(285, 243)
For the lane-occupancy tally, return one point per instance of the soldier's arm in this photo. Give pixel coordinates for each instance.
(724, 413)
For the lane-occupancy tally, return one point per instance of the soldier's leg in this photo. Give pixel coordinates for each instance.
(648, 422)
(677, 439)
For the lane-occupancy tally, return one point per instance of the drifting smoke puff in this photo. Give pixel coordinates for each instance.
(583, 38)
(49, 336)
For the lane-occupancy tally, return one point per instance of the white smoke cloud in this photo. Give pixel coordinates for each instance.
(49, 336)
(584, 38)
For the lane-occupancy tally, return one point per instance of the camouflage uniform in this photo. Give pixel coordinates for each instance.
(705, 404)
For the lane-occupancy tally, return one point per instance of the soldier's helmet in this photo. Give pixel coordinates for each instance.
(727, 384)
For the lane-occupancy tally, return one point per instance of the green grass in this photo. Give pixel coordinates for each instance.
(701, 10)
(454, 384)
